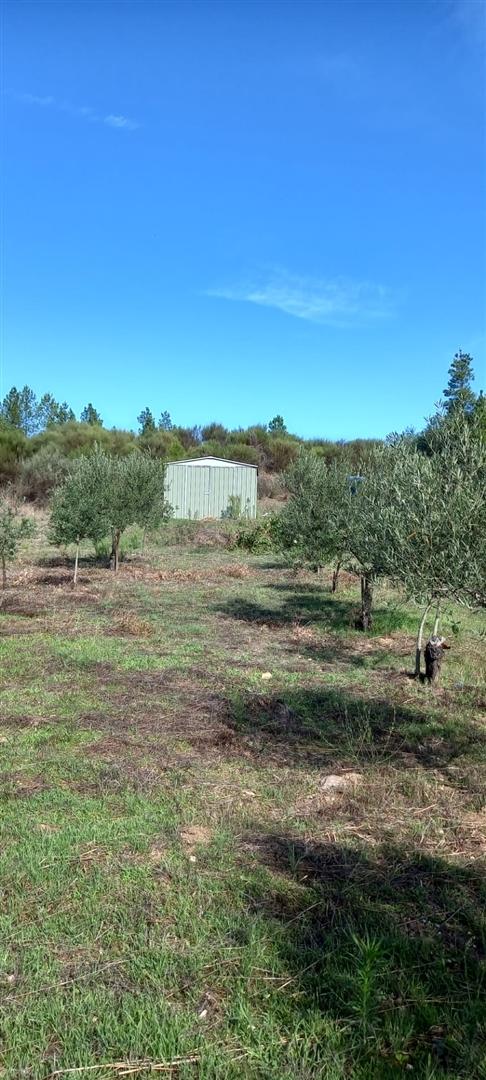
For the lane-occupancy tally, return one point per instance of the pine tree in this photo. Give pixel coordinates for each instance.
(146, 421)
(458, 393)
(90, 415)
(20, 409)
(277, 425)
(165, 422)
(51, 412)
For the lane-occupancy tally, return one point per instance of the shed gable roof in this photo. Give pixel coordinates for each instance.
(212, 460)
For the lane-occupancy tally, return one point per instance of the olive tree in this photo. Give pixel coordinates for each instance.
(321, 523)
(13, 529)
(80, 505)
(313, 527)
(135, 487)
(103, 495)
(431, 525)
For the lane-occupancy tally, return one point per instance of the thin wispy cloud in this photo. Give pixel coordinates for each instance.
(120, 122)
(84, 112)
(331, 301)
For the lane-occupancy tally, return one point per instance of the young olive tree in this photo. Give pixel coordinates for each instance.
(313, 527)
(103, 495)
(13, 529)
(432, 518)
(365, 534)
(135, 486)
(80, 505)
(333, 516)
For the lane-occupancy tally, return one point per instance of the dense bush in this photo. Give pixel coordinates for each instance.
(270, 486)
(13, 528)
(253, 536)
(231, 451)
(76, 438)
(14, 448)
(42, 473)
(283, 451)
(46, 432)
(162, 444)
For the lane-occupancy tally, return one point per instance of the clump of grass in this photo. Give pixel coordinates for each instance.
(130, 624)
(235, 570)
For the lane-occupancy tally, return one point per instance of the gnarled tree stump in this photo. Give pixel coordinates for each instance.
(434, 653)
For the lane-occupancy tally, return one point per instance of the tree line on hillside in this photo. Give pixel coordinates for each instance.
(39, 437)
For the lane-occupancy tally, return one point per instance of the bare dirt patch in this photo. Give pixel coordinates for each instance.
(18, 602)
(195, 835)
(23, 785)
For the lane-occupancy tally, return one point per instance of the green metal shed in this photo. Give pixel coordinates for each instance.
(202, 487)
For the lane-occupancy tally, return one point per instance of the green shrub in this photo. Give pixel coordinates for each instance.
(162, 444)
(13, 528)
(233, 509)
(254, 536)
(282, 452)
(76, 438)
(42, 473)
(14, 445)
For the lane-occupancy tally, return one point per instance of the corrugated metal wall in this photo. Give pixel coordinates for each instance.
(204, 491)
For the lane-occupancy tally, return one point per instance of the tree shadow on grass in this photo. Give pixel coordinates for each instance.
(388, 944)
(315, 606)
(333, 727)
(307, 602)
(88, 561)
(314, 610)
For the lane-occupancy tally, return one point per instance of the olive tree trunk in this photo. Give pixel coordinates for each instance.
(115, 549)
(434, 654)
(76, 564)
(335, 576)
(420, 640)
(4, 572)
(437, 619)
(365, 618)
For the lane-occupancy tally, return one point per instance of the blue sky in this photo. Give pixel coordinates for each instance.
(229, 210)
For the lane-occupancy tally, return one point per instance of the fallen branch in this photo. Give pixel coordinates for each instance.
(131, 1068)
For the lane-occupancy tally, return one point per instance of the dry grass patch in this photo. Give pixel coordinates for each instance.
(129, 624)
(235, 570)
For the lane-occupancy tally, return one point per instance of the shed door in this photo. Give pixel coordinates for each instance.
(198, 491)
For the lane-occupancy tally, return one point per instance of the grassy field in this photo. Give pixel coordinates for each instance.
(182, 892)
